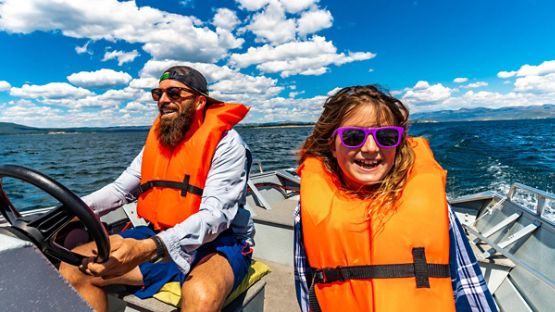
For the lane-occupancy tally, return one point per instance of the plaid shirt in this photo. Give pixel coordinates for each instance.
(469, 287)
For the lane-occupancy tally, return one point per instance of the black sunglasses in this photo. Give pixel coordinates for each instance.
(174, 93)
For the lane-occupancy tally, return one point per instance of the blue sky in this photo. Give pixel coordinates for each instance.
(69, 63)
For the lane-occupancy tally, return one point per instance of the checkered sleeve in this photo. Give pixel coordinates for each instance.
(469, 287)
(302, 269)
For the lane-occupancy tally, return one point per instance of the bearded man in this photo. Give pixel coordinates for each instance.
(190, 180)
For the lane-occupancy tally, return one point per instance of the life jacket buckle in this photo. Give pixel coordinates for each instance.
(330, 275)
(319, 277)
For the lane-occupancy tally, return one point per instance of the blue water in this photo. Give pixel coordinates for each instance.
(479, 156)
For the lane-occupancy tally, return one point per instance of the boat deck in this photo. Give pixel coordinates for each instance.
(280, 289)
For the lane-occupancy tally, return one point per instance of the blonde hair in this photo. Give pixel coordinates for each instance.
(340, 106)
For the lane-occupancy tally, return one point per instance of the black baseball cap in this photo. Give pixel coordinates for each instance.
(190, 77)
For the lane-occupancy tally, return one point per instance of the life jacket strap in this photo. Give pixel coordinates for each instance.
(419, 269)
(184, 186)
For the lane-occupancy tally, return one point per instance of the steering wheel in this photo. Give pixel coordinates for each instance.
(42, 230)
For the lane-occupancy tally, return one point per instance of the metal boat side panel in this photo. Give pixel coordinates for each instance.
(31, 283)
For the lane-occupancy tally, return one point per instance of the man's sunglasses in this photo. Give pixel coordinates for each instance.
(174, 93)
(355, 137)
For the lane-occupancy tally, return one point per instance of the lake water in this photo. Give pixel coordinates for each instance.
(479, 156)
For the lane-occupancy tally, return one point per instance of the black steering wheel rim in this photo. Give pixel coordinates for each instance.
(42, 230)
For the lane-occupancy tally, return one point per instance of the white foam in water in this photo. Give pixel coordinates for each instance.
(501, 183)
(549, 210)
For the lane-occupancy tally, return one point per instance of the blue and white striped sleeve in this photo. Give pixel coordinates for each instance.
(470, 289)
(302, 269)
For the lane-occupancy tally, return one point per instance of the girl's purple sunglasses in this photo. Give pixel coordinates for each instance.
(355, 137)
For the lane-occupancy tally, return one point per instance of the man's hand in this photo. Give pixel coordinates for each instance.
(125, 255)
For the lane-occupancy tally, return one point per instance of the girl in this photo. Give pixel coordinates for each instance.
(373, 230)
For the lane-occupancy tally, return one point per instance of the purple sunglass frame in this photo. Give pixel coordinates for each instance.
(368, 131)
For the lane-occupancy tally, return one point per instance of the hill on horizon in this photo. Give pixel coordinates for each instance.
(482, 113)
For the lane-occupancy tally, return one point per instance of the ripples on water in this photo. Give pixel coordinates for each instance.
(479, 156)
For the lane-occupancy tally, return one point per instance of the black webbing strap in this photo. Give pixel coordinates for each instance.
(312, 300)
(184, 186)
(419, 269)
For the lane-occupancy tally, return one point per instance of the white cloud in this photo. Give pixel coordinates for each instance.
(286, 109)
(423, 93)
(136, 107)
(144, 83)
(294, 6)
(47, 117)
(477, 84)
(42, 116)
(460, 80)
(544, 68)
(84, 48)
(252, 5)
(271, 25)
(122, 56)
(4, 85)
(101, 78)
(536, 84)
(306, 58)
(226, 19)
(314, 21)
(506, 74)
(225, 83)
(533, 79)
(260, 93)
(529, 90)
(112, 99)
(53, 90)
(490, 99)
(162, 34)
(333, 91)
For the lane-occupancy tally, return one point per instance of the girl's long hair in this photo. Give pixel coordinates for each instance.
(340, 106)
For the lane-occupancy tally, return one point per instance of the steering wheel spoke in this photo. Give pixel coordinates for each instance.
(51, 222)
(52, 249)
(6, 207)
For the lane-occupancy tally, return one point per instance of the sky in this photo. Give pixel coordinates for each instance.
(82, 63)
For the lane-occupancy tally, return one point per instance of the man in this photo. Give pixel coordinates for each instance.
(190, 180)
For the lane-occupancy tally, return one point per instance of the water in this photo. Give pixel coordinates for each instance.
(479, 156)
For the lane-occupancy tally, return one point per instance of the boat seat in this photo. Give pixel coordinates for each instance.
(250, 300)
(249, 295)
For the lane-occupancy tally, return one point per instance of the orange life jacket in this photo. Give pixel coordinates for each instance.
(172, 179)
(338, 232)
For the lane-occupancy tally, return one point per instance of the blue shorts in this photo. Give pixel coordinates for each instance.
(156, 275)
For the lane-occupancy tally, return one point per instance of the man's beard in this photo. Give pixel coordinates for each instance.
(171, 132)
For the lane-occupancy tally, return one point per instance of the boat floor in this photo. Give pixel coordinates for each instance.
(280, 289)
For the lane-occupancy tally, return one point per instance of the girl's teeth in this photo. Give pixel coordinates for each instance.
(367, 164)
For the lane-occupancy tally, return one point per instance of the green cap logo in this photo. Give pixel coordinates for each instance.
(165, 76)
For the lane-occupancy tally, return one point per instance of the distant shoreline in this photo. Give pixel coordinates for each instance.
(16, 129)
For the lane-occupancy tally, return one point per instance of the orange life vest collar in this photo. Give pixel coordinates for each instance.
(173, 179)
(361, 264)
